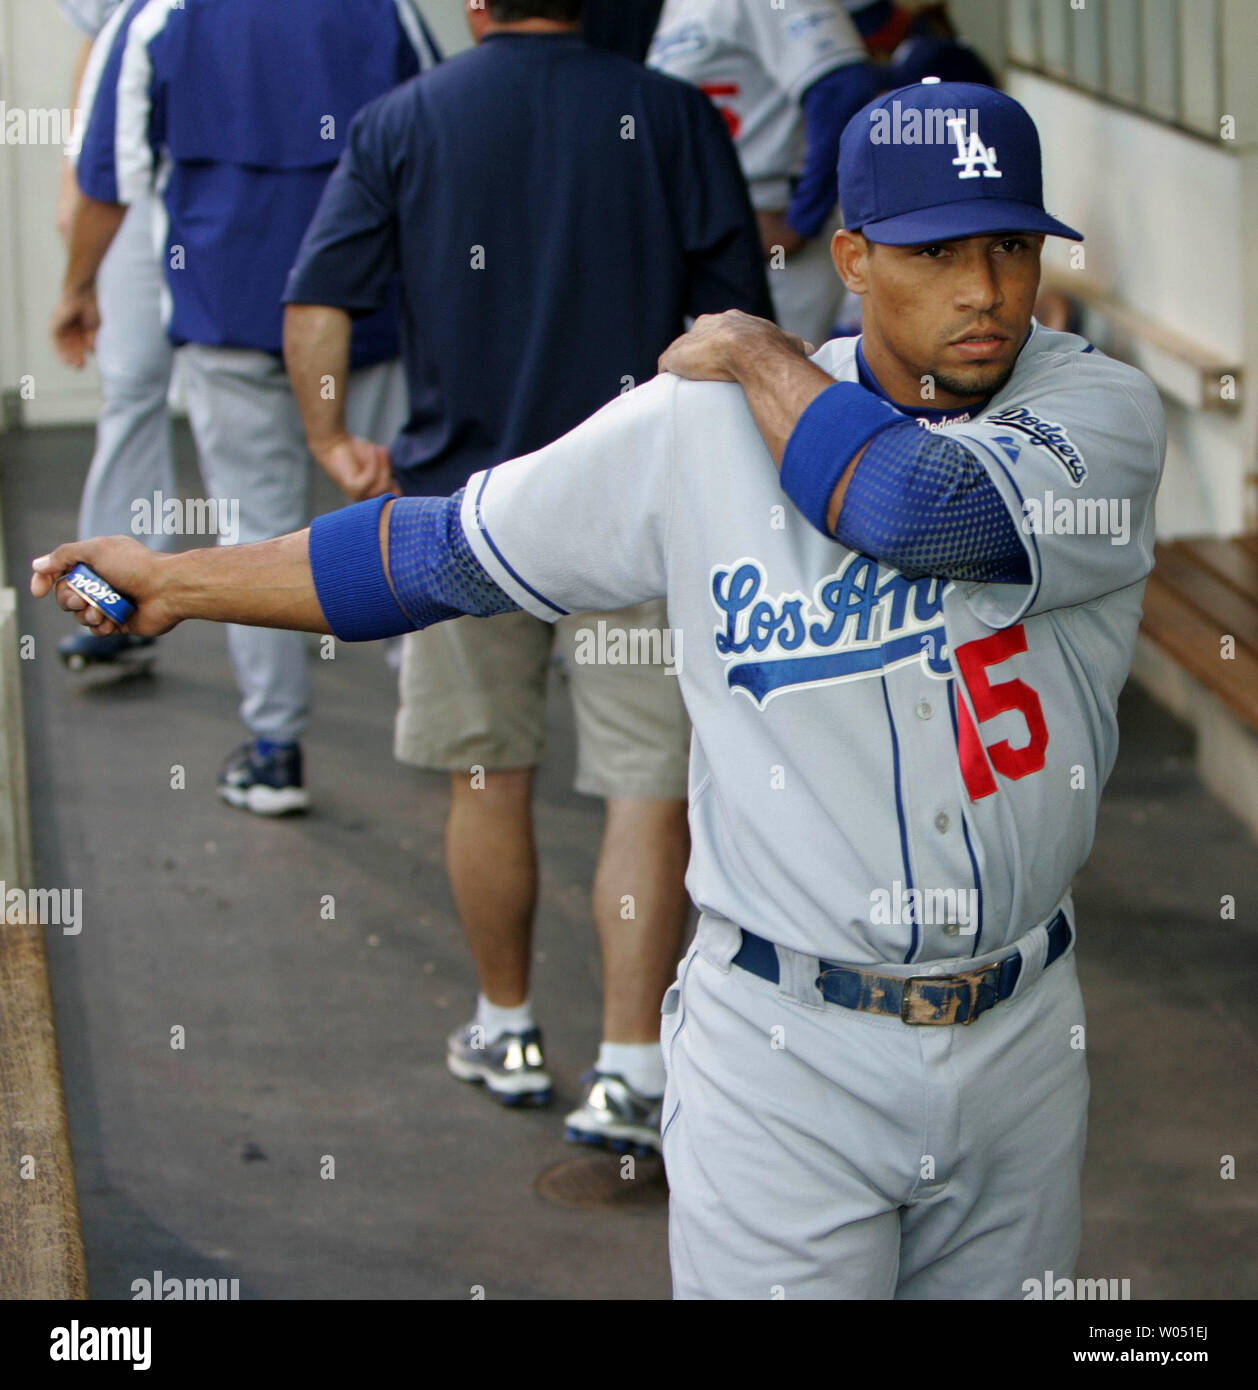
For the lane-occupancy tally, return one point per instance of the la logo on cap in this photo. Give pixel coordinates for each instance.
(970, 155)
(913, 168)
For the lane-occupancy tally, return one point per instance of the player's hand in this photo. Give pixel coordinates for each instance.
(358, 467)
(776, 231)
(717, 343)
(73, 327)
(135, 571)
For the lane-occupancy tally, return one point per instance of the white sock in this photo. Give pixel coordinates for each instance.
(496, 1020)
(640, 1064)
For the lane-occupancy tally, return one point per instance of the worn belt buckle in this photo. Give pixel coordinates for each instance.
(909, 998)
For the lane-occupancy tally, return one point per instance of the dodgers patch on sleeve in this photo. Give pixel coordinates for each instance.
(1048, 435)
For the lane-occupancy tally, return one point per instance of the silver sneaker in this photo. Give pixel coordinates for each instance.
(612, 1115)
(511, 1066)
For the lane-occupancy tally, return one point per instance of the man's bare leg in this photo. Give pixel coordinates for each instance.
(640, 910)
(492, 862)
(640, 914)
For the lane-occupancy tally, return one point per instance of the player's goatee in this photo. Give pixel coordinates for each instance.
(982, 381)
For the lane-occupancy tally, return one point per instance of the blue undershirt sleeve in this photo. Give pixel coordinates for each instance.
(924, 504)
(828, 105)
(918, 501)
(830, 433)
(433, 574)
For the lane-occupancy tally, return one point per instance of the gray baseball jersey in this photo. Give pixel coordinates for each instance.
(756, 62)
(864, 744)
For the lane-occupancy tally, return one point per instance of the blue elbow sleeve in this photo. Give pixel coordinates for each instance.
(834, 428)
(433, 574)
(924, 504)
(349, 576)
(434, 571)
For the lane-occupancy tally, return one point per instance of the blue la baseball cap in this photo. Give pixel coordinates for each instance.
(941, 160)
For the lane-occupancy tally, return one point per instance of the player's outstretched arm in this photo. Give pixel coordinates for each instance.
(376, 569)
(268, 584)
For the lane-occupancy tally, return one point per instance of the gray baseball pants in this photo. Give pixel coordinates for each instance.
(253, 452)
(816, 1152)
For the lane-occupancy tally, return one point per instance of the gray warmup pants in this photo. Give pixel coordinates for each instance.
(253, 454)
(807, 291)
(132, 458)
(814, 1152)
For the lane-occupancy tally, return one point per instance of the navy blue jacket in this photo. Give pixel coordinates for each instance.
(555, 212)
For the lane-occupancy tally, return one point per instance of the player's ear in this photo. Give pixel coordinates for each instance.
(850, 253)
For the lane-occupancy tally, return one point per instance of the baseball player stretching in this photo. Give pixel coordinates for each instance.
(903, 690)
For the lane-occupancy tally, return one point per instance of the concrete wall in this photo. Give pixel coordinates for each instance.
(1166, 215)
(37, 48)
(983, 24)
(445, 17)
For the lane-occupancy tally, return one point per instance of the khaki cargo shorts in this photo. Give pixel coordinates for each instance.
(473, 691)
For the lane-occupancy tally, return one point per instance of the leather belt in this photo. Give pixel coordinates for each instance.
(917, 999)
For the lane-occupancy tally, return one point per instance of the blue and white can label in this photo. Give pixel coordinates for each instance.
(89, 585)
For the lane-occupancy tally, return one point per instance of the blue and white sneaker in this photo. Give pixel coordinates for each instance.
(83, 649)
(511, 1067)
(265, 778)
(612, 1115)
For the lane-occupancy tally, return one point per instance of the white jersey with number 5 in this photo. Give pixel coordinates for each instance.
(756, 60)
(859, 735)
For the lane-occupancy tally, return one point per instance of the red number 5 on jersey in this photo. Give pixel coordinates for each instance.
(972, 660)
